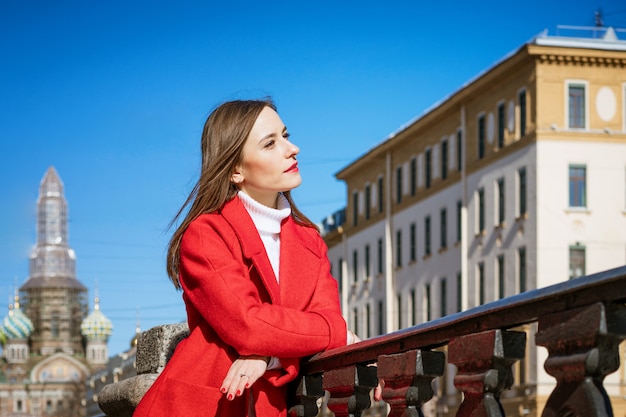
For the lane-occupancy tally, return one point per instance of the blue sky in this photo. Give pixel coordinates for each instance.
(114, 95)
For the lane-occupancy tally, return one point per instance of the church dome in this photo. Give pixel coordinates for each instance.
(96, 326)
(16, 325)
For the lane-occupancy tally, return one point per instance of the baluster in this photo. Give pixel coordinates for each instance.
(408, 380)
(583, 347)
(306, 391)
(484, 363)
(349, 389)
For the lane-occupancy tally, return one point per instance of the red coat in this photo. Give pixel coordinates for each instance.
(235, 307)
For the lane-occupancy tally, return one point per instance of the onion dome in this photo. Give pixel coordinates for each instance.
(16, 325)
(96, 326)
(3, 337)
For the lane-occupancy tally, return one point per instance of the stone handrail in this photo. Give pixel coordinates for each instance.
(580, 322)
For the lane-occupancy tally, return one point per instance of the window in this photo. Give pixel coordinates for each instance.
(481, 210)
(366, 333)
(427, 236)
(413, 242)
(501, 125)
(500, 267)
(427, 304)
(576, 261)
(368, 201)
(413, 178)
(521, 97)
(444, 298)
(577, 186)
(355, 208)
(368, 269)
(399, 304)
(521, 262)
(481, 283)
(54, 325)
(355, 266)
(399, 248)
(355, 322)
(413, 306)
(380, 257)
(381, 197)
(459, 291)
(340, 273)
(399, 185)
(501, 200)
(429, 167)
(481, 136)
(459, 149)
(381, 318)
(521, 175)
(576, 106)
(444, 159)
(459, 223)
(443, 238)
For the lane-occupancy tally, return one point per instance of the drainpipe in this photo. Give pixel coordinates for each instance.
(464, 225)
(389, 269)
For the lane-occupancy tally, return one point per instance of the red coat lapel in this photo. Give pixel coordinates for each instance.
(251, 244)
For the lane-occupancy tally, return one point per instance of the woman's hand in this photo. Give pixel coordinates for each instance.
(242, 374)
(378, 390)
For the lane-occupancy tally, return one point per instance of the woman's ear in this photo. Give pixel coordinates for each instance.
(236, 177)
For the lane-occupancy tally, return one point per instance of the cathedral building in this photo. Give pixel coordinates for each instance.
(51, 345)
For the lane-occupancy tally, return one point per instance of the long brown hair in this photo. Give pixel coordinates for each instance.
(225, 132)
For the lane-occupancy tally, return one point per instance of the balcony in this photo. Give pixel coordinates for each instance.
(580, 323)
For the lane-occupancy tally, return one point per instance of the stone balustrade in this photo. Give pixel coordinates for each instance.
(581, 323)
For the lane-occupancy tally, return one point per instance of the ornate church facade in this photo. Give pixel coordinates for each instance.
(51, 345)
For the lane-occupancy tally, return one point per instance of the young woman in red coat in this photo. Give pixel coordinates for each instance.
(254, 274)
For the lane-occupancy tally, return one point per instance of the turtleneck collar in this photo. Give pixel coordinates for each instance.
(266, 219)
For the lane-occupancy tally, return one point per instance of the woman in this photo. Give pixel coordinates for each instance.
(254, 274)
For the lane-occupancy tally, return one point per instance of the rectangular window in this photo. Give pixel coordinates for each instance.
(340, 273)
(355, 208)
(427, 236)
(413, 243)
(368, 201)
(501, 125)
(368, 314)
(481, 283)
(381, 195)
(443, 238)
(521, 174)
(459, 149)
(481, 210)
(521, 259)
(413, 178)
(413, 308)
(522, 113)
(444, 159)
(429, 167)
(379, 269)
(576, 106)
(355, 321)
(399, 248)
(576, 261)
(459, 225)
(368, 269)
(381, 318)
(399, 185)
(355, 266)
(459, 292)
(481, 137)
(399, 304)
(501, 276)
(501, 201)
(427, 304)
(444, 298)
(577, 186)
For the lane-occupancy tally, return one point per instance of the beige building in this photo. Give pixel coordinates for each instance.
(514, 182)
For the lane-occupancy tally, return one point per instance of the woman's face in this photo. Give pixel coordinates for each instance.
(268, 164)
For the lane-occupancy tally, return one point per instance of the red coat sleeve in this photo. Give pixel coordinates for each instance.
(217, 283)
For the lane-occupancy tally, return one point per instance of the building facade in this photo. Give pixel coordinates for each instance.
(51, 345)
(514, 182)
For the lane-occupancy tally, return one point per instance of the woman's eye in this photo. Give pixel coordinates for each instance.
(286, 135)
(269, 144)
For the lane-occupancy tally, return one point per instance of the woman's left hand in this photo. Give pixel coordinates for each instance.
(242, 374)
